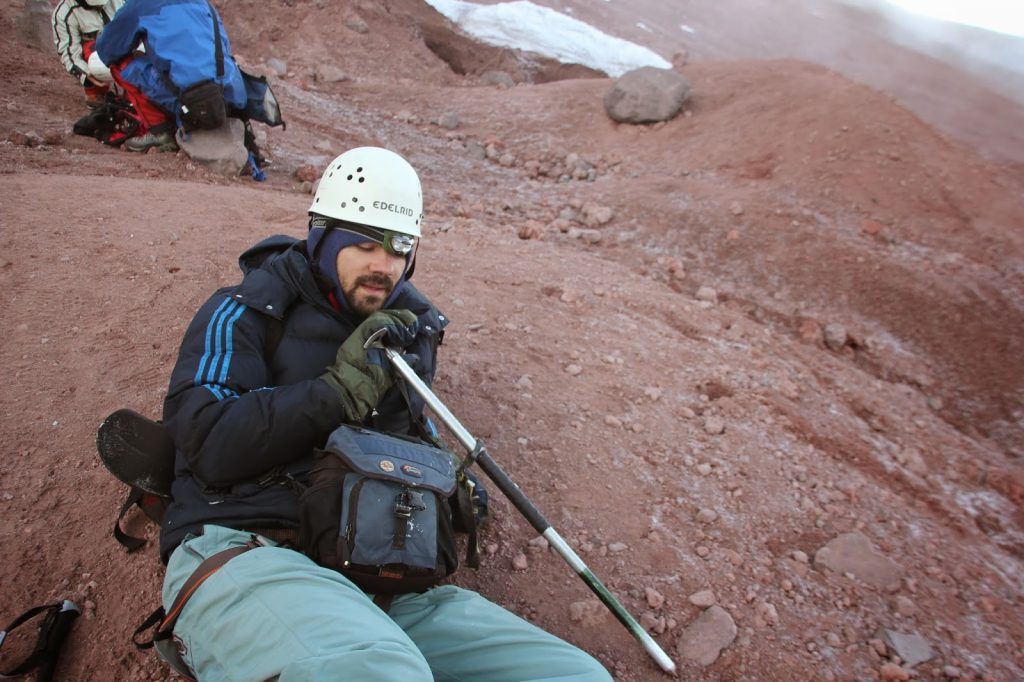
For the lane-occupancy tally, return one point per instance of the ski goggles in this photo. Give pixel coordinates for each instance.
(397, 243)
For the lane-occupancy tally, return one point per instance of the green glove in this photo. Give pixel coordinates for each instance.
(361, 377)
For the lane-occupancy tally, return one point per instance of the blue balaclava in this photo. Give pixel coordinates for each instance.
(337, 238)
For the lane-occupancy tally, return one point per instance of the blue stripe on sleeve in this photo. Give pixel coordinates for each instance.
(210, 327)
(227, 344)
(218, 341)
(218, 349)
(220, 392)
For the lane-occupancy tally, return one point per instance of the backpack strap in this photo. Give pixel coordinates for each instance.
(152, 505)
(464, 505)
(218, 49)
(32, 660)
(129, 542)
(218, 54)
(162, 624)
(52, 631)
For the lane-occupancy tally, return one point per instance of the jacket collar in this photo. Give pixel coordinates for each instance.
(278, 273)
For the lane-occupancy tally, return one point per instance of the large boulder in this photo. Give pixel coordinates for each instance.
(646, 95)
(222, 150)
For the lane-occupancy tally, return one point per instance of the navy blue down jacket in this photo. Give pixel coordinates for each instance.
(240, 419)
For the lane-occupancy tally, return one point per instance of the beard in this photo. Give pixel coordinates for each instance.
(365, 304)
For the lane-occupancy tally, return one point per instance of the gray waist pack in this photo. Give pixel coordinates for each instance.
(377, 510)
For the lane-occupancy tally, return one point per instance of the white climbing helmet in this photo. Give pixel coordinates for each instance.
(374, 187)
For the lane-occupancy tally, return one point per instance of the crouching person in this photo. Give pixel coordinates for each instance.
(268, 371)
(76, 25)
(184, 45)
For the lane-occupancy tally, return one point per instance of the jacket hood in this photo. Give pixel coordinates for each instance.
(277, 273)
(256, 255)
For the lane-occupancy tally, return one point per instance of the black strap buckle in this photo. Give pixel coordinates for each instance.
(53, 629)
(407, 502)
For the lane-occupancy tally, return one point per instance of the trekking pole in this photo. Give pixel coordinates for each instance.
(478, 453)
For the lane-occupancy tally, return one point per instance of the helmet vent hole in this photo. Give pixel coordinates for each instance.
(343, 204)
(362, 179)
(349, 177)
(331, 174)
(362, 208)
(355, 200)
(359, 170)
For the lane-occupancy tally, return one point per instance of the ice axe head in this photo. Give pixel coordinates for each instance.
(376, 340)
(403, 364)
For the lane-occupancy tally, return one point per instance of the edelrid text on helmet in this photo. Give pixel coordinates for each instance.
(401, 210)
(371, 186)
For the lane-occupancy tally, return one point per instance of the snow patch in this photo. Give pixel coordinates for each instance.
(526, 26)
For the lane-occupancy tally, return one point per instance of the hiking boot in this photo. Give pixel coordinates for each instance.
(164, 142)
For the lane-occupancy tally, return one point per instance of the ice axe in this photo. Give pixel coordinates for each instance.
(478, 453)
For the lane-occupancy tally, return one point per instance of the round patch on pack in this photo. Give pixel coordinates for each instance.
(386, 465)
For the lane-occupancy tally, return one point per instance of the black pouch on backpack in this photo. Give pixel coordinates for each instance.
(201, 106)
(377, 510)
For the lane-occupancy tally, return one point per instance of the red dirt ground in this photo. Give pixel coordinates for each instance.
(622, 397)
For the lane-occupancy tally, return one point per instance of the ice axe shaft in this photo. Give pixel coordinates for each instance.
(478, 453)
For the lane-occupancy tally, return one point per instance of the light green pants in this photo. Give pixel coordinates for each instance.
(272, 613)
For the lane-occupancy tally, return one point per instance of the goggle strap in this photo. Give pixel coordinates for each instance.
(386, 238)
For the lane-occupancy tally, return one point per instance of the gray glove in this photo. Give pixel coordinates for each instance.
(361, 377)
